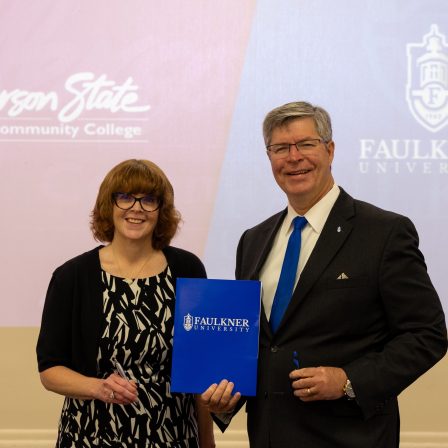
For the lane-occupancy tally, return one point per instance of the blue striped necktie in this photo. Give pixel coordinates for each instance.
(287, 278)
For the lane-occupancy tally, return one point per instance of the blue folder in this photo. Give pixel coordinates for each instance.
(216, 331)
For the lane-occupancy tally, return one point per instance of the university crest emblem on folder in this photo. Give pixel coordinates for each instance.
(188, 322)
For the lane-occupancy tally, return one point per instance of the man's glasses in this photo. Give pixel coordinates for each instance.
(281, 150)
(126, 201)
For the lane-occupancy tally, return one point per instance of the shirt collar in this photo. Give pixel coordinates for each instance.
(317, 215)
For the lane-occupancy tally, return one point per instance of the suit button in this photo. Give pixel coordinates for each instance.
(274, 349)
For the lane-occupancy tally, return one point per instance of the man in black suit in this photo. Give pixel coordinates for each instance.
(364, 320)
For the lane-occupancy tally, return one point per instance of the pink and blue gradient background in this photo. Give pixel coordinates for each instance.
(210, 70)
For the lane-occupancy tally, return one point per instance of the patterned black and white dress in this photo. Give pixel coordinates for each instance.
(138, 332)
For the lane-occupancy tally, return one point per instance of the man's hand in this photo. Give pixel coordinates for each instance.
(318, 383)
(218, 398)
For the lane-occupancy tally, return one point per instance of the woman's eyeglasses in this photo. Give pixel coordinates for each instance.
(126, 201)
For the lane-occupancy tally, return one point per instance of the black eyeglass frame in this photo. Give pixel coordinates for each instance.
(139, 200)
(296, 144)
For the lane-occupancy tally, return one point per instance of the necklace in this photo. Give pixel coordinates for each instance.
(132, 277)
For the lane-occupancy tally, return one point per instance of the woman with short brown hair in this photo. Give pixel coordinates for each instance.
(106, 337)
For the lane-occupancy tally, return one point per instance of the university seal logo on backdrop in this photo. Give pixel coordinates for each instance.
(427, 80)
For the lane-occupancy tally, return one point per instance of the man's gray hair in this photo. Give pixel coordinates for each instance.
(280, 116)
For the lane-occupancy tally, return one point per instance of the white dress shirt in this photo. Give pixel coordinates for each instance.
(316, 217)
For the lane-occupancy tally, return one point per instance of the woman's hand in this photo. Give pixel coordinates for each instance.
(115, 389)
(65, 381)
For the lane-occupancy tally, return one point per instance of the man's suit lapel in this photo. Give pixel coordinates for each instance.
(266, 241)
(334, 234)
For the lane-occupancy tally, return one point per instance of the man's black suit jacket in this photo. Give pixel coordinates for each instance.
(383, 324)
